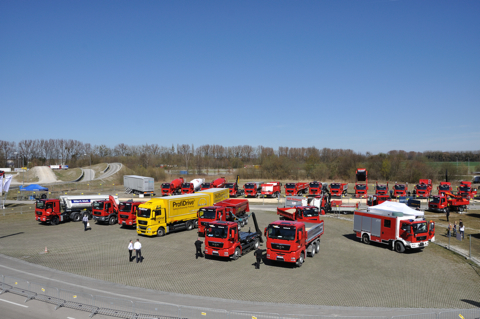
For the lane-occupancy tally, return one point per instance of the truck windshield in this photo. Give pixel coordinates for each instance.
(186, 185)
(381, 187)
(206, 213)
(361, 187)
(166, 185)
(464, 189)
(290, 186)
(281, 232)
(444, 187)
(400, 187)
(435, 199)
(315, 185)
(126, 208)
(40, 204)
(229, 185)
(143, 212)
(249, 186)
(98, 205)
(420, 228)
(310, 212)
(422, 187)
(205, 185)
(217, 231)
(334, 186)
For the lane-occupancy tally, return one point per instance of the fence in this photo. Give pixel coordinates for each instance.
(124, 308)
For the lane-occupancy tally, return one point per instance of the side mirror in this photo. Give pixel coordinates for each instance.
(300, 235)
(265, 232)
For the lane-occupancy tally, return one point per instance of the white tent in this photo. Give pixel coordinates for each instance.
(395, 207)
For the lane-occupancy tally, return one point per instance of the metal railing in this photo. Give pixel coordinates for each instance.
(124, 308)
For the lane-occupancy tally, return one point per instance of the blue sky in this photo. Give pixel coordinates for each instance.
(365, 75)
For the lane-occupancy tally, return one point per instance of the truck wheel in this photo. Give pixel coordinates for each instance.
(312, 253)
(189, 225)
(236, 254)
(317, 247)
(195, 223)
(246, 220)
(111, 220)
(161, 232)
(77, 217)
(300, 260)
(55, 220)
(366, 239)
(399, 247)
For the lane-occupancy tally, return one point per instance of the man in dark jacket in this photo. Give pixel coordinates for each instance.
(198, 246)
(258, 255)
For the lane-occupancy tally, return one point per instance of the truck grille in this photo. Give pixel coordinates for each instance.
(280, 246)
(215, 244)
(143, 222)
(204, 223)
(39, 213)
(422, 238)
(124, 216)
(142, 227)
(97, 213)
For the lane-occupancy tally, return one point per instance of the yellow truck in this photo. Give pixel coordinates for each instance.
(216, 194)
(160, 216)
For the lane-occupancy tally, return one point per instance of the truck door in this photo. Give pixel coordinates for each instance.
(431, 230)
(405, 231)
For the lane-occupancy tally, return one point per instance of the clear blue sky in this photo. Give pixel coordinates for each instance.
(366, 75)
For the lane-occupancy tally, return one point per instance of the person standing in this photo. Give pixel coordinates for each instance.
(461, 228)
(198, 246)
(130, 250)
(85, 221)
(258, 255)
(448, 213)
(138, 250)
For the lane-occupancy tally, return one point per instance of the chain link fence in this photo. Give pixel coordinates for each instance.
(124, 308)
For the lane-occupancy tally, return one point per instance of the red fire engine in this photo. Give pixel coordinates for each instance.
(361, 175)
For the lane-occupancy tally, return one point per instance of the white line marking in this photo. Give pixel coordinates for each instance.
(70, 318)
(14, 303)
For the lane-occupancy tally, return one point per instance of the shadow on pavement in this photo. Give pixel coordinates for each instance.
(12, 234)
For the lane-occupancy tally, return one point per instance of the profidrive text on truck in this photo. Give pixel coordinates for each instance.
(216, 194)
(160, 216)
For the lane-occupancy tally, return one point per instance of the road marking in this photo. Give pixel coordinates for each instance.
(14, 303)
(70, 318)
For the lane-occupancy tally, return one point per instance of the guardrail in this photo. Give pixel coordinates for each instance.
(124, 308)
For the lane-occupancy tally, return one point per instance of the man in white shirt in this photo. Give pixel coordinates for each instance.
(130, 250)
(138, 250)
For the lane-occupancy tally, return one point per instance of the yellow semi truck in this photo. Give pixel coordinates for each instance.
(160, 216)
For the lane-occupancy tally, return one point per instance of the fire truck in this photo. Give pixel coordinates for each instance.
(423, 188)
(234, 210)
(381, 189)
(234, 188)
(394, 224)
(253, 189)
(317, 188)
(361, 175)
(309, 214)
(466, 191)
(338, 189)
(172, 188)
(105, 211)
(321, 202)
(296, 188)
(444, 187)
(272, 189)
(447, 202)
(291, 241)
(127, 213)
(223, 239)
(374, 200)
(400, 190)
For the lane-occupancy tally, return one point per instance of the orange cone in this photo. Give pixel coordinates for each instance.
(46, 250)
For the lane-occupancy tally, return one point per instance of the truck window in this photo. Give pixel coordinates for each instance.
(387, 223)
(217, 232)
(281, 232)
(143, 212)
(40, 204)
(158, 212)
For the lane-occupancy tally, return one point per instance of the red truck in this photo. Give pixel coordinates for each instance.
(381, 189)
(466, 191)
(444, 187)
(317, 188)
(105, 211)
(338, 206)
(173, 188)
(423, 188)
(272, 189)
(400, 190)
(127, 213)
(361, 183)
(292, 189)
(398, 228)
(234, 189)
(193, 186)
(308, 214)
(447, 202)
(291, 241)
(374, 200)
(218, 183)
(224, 239)
(338, 189)
(231, 209)
(252, 189)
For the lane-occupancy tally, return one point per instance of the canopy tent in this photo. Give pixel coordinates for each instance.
(33, 187)
(396, 207)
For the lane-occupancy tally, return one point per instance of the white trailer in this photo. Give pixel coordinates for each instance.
(138, 185)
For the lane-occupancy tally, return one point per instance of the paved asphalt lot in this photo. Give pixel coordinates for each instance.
(344, 273)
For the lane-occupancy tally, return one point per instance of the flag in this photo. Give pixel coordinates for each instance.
(1, 184)
(8, 180)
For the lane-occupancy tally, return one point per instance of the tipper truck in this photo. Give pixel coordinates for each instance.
(223, 239)
(106, 211)
(160, 216)
(444, 187)
(361, 183)
(252, 189)
(172, 188)
(272, 189)
(234, 210)
(447, 202)
(381, 189)
(234, 188)
(309, 214)
(293, 189)
(423, 188)
(393, 224)
(317, 188)
(291, 241)
(66, 208)
(139, 185)
(400, 190)
(338, 189)
(193, 186)
(127, 213)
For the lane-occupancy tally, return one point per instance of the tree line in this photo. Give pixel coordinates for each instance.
(248, 161)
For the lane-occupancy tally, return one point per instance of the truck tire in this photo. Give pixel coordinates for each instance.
(195, 223)
(77, 217)
(112, 220)
(161, 232)
(312, 253)
(399, 247)
(366, 239)
(189, 225)
(300, 260)
(317, 247)
(55, 220)
(236, 254)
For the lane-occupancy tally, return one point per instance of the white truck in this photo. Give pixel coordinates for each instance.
(78, 203)
(139, 185)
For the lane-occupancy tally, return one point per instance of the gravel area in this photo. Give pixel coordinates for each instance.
(344, 273)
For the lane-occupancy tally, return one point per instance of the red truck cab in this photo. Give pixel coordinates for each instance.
(252, 189)
(292, 189)
(338, 189)
(187, 188)
(227, 210)
(105, 211)
(444, 187)
(49, 211)
(315, 188)
(423, 188)
(172, 188)
(400, 190)
(309, 214)
(374, 200)
(466, 191)
(361, 183)
(381, 189)
(127, 213)
(205, 186)
(272, 189)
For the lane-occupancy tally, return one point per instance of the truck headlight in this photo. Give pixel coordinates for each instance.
(149, 229)
(292, 259)
(225, 253)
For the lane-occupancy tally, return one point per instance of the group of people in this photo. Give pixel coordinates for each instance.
(452, 230)
(138, 251)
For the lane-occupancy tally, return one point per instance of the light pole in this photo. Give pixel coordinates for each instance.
(16, 159)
